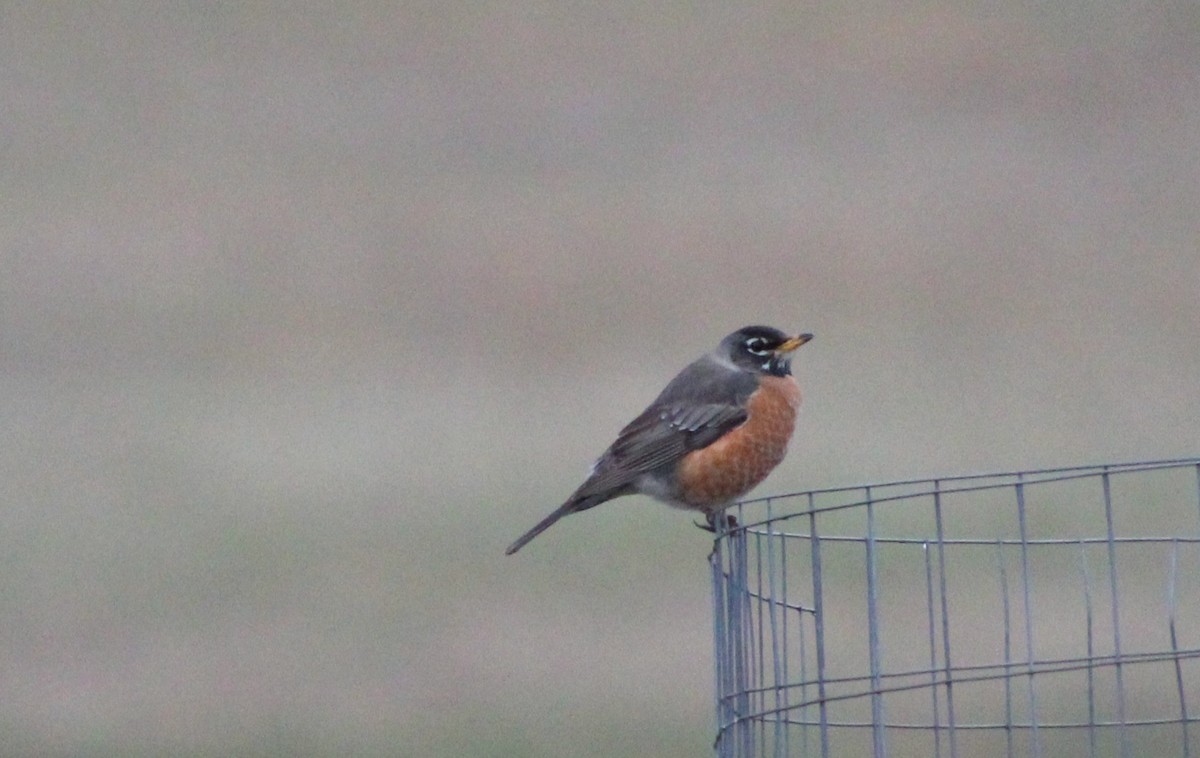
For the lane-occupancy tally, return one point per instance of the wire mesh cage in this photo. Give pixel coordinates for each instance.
(1035, 613)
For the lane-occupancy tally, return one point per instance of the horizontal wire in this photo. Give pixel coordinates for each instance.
(996, 725)
(1088, 470)
(1057, 666)
(1067, 474)
(991, 542)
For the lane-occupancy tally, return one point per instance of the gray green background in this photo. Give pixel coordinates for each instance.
(306, 312)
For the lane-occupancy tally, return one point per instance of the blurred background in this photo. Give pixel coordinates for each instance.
(306, 313)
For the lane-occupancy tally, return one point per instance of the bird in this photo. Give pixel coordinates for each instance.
(714, 433)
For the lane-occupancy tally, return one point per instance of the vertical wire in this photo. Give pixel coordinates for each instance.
(748, 719)
(1091, 648)
(819, 617)
(875, 653)
(733, 630)
(945, 610)
(1008, 661)
(732, 651)
(778, 685)
(760, 667)
(1198, 489)
(1030, 658)
(933, 661)
(720, 643)
(802, 639)
(804, 734)
(1116, 610)
(1172, 606)
(786, 682)
(1186, 733)
(739, 592)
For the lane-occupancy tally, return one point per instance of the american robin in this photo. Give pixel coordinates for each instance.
(715, 431)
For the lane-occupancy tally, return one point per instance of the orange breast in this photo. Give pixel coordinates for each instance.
(714, 476)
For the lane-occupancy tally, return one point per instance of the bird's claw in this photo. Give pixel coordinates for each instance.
(710, 524)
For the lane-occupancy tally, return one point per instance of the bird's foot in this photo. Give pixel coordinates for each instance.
(710, 524)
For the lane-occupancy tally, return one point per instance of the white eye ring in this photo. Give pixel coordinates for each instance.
(757, 345)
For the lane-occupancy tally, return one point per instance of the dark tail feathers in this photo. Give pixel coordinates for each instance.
(571, 506)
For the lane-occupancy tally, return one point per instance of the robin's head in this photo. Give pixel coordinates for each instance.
(761, 349)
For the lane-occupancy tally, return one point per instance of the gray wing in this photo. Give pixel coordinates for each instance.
(700, 405)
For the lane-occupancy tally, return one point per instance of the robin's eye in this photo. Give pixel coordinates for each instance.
(757, 345)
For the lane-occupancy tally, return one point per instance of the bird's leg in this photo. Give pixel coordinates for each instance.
(710, 520)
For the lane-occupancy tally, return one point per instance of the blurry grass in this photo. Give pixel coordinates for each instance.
(294, 308)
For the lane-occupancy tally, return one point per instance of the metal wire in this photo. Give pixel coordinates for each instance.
(1053, 612)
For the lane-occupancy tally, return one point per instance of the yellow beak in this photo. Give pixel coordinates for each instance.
(793, 343)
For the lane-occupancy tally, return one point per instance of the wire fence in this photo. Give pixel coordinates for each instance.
(1036, 613)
